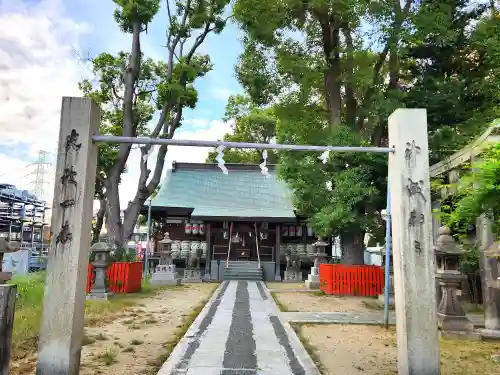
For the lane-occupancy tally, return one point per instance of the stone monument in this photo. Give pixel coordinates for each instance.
(312, 281)
(165, 272)
(100, 264)
(451, 317)
(192, 273)
(292, 272)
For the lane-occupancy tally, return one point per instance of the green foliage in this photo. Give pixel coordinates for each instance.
(251, 125)
(478, 192)
(333, 71)
(130, 12)
(339, 194)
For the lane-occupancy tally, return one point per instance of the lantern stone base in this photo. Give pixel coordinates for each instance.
(292, 276)
(165, 275)
(312, 281)
(99, 296)
(192, 276)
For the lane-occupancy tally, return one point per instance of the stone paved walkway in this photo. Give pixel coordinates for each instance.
(239, 332)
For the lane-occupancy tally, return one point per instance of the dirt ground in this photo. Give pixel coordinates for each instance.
(137, 339)
(315, 302)
(370, 350)
(279, 286)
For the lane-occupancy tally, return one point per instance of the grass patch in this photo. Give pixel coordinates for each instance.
(150, 321)
(136, 342)
(29, 309)
(281, 306)
(311, 349)
(108, 357)
(318, 293)
(129, 349)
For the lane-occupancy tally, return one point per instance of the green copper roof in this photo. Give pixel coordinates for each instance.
(245, 192)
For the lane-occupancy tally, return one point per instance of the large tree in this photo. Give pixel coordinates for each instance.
(333, 71)
(133, 91)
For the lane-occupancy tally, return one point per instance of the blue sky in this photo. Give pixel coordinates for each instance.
(223, 49)
(38, 65)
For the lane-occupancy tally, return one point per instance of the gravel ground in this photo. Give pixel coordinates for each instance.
(311, 302)
(370, 350)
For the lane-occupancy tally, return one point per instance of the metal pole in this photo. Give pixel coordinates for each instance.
(261, 146)
(387, 256)
(148, 246)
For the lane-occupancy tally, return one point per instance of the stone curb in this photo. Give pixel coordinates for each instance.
(300, 352)
(180, 349)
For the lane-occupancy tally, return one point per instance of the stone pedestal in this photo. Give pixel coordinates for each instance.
(192, 276)
(312, 281)
(292, 276)
(451, 317)
(165, 274)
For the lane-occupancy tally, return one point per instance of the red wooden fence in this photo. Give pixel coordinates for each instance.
(339, 279)
(123, 277)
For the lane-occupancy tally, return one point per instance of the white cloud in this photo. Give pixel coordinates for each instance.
(37, 68)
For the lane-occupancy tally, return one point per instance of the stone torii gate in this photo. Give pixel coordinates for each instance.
(63, 317)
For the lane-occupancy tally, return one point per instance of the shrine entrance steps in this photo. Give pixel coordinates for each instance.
(240, 332)
(243, 270)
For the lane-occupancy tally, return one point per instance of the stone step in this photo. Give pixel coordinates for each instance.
(256, 272)
(243, 278)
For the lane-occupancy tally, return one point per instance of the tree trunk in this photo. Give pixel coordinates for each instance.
(353, 247)
(113, 219)
(96, 230)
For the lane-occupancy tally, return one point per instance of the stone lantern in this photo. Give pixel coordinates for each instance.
(165, 272)
(312, 281)
(101, 251)
(451, 317)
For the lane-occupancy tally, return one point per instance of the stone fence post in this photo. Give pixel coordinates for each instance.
(61, 330)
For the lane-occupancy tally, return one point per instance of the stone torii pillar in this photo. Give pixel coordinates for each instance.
(412, 245)
(61, 330)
